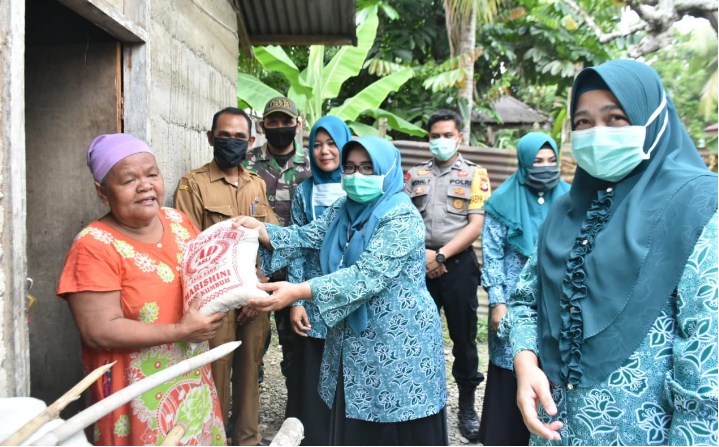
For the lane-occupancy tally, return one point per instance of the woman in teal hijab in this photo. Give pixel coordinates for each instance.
(383, 372)
(312, 197)
(513, 216)
(619, 304)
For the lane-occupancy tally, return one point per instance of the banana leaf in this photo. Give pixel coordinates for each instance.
(348, 61)
(371, 96)
(253, 93)
(312, 77)
(274, 58)
(396, 122)
(362, 129)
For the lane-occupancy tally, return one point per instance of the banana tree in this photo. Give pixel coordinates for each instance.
(315, 85)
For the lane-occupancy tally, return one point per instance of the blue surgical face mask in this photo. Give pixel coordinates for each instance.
(443, 148)
(611, 153)
(362, 188)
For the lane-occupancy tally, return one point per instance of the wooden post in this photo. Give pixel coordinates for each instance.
(125, 395)
(382, 126)
(175, 434)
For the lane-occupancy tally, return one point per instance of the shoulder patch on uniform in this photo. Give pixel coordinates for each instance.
(184, 187)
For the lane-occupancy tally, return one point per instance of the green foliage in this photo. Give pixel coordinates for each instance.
(482, 330)
(686, 71)
(319, 81)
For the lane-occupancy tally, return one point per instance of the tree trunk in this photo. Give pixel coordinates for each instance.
(462, 31)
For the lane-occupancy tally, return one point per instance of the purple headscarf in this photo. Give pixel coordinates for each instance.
(107, 150)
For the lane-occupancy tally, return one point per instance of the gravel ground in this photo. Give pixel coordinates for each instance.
(273, 393)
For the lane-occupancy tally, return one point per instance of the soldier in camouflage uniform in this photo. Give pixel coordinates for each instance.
(282, 165)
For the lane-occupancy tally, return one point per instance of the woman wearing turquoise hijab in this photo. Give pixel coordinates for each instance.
(312, 197)
(383, 372)
(614, 320)
(513, 216)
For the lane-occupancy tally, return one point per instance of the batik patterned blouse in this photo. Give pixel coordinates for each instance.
(306, 267)
(500, 272)
(666, 392)
(394, 369)
(147, 275)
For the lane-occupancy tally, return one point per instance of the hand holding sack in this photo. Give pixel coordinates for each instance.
(218, 268)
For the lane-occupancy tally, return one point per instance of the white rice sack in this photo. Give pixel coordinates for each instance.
(219, 268)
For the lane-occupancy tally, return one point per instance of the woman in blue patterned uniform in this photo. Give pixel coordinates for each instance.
(382, 370)
(312, 197)
(619, 306)
(511, 227)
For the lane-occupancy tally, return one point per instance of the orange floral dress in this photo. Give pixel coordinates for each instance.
(148, 278)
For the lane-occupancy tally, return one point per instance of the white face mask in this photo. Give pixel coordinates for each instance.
(611, 153)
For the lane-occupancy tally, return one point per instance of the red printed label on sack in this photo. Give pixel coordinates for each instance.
(219, 268)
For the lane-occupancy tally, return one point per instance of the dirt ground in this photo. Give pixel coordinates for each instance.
(273, 394)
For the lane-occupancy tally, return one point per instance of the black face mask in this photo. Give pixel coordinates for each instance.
(280, 137)
(229, 152)
(542, 178)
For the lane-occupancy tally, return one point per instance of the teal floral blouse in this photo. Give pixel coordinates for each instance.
(303, 268)
(393, 370)
(500, 273)
(666, 392)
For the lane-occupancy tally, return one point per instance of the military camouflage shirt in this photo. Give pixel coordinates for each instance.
(281, 181)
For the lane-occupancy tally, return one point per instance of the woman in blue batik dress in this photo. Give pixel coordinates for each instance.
(312, 197)
(614, 320)
(514, 214)
(382, 373)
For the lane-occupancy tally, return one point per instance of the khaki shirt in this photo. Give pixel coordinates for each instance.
(207, 197)
(447, 196)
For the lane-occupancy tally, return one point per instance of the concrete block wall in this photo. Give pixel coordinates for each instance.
(193, 55)
(14, 344)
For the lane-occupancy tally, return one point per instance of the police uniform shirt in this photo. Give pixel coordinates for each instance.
(208, 197)
(447, 196)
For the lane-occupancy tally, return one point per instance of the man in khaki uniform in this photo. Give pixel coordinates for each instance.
(450, 192)
(218, 191)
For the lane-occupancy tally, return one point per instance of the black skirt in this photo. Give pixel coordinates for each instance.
(502, 422)
(430, 430)
(303, 399)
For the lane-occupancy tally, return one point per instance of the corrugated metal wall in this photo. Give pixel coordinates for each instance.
(500, 163)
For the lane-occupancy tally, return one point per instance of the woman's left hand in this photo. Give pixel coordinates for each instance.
(496, 314)
(282, 294)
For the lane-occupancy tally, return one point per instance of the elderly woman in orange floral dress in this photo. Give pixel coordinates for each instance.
(122, 283)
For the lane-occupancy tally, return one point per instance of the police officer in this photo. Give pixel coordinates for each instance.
(450, 192)
(215, 192)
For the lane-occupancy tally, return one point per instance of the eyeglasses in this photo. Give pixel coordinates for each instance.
(364, 169)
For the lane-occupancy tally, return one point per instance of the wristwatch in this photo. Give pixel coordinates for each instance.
(440, 258)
